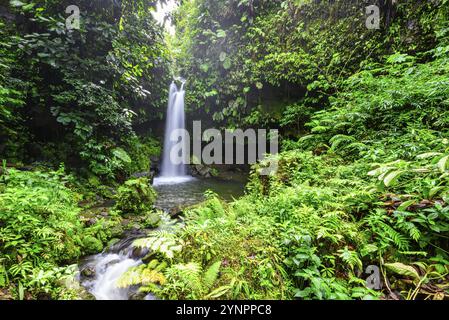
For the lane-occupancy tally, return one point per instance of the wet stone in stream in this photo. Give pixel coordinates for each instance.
(100, 273)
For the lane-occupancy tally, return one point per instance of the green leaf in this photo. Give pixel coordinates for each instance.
(227, 63)
(405, 205)
(428, 155)
(21, 291)
(16, 3)
(121, 154)
(392, 177)
(403, 270)
(221, 33)
(223, 56)
(219, 292)
(442, 164)
(204, 67)
(211, 274)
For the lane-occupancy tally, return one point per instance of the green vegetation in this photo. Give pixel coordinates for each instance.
(135, 196)
(363, 175)
(77, 96)
(40, 230)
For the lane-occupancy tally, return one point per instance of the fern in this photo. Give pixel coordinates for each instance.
(193, 281)
(142, 275)
(337, 140)
(351, 258)
(161, 242)
(211, 275)
(386, 232)
(189, 274)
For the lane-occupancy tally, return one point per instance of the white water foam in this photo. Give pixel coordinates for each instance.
(161, 181)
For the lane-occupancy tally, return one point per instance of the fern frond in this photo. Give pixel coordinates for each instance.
(162, 242)
(190, 275)
(211, 275)
(141, 275)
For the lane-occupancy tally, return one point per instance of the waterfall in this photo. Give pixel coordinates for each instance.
(172, 172)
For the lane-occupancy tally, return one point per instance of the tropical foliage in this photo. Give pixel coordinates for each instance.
(359, 205)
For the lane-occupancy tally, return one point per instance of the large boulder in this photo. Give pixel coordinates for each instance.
(203, 171)
(149, 175)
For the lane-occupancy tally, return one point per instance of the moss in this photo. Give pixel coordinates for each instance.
(136, 196)
(92, 245)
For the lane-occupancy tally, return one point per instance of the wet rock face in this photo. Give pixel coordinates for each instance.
(88, 272)
(139, 296)
(91, 222)
(201, 171)
(176, 212)
(155, 162)
(139, 253)
(149, 175)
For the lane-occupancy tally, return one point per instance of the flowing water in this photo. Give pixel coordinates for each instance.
(175, 121)
(175, 189)
(109, 266)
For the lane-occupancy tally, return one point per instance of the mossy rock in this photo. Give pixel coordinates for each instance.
(92, 245)
(113, 241)
(135, 196)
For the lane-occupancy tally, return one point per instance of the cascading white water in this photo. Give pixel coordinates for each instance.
(108, 267)
(171, 172)
(175, 121)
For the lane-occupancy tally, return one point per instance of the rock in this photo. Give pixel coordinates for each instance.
(201, 170)
(150, 175)
(175, 212)
(155, 160)
(204, 171)
(44, 297)
(91, 222)
(113, 242)
(92, 245)
(112, 263)
(139, 253)
(73, 283)
(138, 296)
(137, 226)
(104, 214)
(149, 257)
(117, 231)
(5, 295)
(85, 295)
(88, 272)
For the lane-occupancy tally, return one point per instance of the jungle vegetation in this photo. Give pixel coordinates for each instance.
(363, 179)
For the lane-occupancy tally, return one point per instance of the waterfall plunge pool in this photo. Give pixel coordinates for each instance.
(175, 190)
(109, 266)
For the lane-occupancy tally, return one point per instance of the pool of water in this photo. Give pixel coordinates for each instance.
(190, 191)
(108, 267)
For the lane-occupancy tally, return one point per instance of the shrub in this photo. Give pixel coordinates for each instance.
(39, 226)
(136, 196)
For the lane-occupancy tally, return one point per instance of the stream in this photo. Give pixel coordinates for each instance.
(175, 190)
(109, 266)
